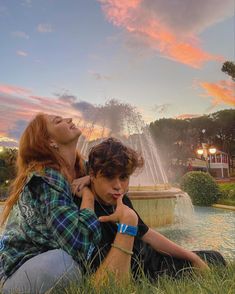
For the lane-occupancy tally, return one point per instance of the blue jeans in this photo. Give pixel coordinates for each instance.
(46, 271)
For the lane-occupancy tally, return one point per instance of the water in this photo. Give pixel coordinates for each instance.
(122, 121)
(211, 229)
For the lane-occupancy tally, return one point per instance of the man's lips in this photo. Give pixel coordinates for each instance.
(116, 196)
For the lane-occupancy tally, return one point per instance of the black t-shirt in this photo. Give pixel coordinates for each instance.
(109, 231)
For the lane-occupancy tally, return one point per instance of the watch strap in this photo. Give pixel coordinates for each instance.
(127, 229)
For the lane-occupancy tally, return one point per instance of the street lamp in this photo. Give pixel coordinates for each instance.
(206, 151)
(199, 151)
(212, 150)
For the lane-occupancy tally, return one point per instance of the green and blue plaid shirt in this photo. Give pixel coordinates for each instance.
(45, 218)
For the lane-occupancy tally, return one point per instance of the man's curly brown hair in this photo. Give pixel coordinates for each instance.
(111, 158)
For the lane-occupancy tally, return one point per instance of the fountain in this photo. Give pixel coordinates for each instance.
(155, 200)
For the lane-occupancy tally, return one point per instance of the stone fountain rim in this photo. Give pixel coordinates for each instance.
(158, 194)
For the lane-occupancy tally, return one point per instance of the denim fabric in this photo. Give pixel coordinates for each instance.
(44, 272)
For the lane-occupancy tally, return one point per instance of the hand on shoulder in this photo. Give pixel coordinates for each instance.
(78, 185)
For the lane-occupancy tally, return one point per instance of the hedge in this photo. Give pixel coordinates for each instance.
(201, 187)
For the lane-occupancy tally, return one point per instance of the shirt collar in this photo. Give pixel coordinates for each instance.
(53, 178)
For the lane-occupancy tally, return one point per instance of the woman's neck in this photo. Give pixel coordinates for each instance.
(69, 156)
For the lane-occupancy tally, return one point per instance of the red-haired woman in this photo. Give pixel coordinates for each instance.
(46, 238)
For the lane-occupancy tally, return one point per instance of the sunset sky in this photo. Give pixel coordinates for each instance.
(162, 56)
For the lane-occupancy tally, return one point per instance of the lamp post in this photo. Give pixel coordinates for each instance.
(206, 151)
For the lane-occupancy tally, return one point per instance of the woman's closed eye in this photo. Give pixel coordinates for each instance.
(58, 120)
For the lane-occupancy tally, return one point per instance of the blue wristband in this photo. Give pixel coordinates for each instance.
(126, 229)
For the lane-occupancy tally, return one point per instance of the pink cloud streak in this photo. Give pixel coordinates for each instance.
(14, 90)
(222, 92)
(150, 30)
(18, 103)
(187, 116)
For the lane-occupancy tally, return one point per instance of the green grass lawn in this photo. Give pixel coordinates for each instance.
(217, 281)
(227, 191)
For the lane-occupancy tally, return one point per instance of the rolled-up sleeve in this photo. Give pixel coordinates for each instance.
(75, 231)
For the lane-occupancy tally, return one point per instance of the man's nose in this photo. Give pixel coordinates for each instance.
(117, 184)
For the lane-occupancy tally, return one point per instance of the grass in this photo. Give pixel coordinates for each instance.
(226, 202)
(227, 186)
(227, 191)
(217, 281)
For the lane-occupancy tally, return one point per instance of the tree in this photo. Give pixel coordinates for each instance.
(204, 130)
(229, 68)
(224, 124)
(171, 136)
(177, 140)
(7, 164)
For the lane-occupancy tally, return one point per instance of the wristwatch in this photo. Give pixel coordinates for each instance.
(126, 229)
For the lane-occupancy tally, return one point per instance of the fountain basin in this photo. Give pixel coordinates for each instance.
(162, 207)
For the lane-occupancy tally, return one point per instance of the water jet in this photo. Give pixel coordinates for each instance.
(153, 198)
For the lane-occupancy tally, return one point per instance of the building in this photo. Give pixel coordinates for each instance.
(216, 164)
(219, 164)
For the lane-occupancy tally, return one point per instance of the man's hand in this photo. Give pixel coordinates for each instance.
(122, 214)
(78, 185)
(198, 263)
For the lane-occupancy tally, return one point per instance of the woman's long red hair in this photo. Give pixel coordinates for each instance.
(35, 154)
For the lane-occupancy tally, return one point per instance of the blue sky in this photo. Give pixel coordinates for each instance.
(162, 56)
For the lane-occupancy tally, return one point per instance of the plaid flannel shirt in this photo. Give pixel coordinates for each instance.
(45, 218)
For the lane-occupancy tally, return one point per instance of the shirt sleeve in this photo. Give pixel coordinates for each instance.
(142, 227)
(76, 231)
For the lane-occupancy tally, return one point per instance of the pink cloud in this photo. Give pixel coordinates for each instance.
(22, 53)
(187, 116)
(162, 26)
(20, 104)
(222, 92)
(14, 90)
(44, 28)
(20, 34)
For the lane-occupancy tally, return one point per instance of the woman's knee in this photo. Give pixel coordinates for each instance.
(43, 272)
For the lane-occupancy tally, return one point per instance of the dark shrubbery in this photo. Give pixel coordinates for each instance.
(201, 187)
(4, 189)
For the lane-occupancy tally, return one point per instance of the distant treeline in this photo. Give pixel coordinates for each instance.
(179, 139)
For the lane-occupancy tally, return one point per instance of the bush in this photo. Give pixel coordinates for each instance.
(3, 192)
(201, 187)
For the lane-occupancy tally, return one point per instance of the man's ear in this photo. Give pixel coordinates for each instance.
(91, 174)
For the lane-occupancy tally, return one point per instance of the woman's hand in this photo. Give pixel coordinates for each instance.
(122, 214)
(78, 185)
(88, 198)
